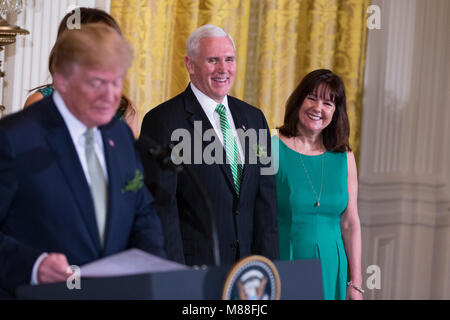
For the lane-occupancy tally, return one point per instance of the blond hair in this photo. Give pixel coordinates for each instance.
(94, 45)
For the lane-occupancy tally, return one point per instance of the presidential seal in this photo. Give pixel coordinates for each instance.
(252, 278)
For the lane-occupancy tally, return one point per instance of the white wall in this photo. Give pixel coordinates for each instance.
(26, 61)
(404, 171)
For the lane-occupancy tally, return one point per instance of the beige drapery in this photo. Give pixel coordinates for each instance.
(277, 42)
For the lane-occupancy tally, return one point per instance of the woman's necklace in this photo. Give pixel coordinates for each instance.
(317, 203)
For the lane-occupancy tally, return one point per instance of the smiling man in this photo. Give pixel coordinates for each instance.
(64, 166)
(243, 200)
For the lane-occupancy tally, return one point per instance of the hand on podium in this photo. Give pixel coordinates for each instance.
(54, 268)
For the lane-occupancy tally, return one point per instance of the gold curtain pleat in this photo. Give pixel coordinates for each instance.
(277, 41)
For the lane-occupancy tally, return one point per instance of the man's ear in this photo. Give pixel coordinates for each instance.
(60, 82)
(189, 64)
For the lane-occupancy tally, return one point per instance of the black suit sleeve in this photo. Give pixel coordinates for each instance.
(163, 185)
(265, 233)
(16, 259)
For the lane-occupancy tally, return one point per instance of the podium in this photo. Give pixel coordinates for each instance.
(300, 280)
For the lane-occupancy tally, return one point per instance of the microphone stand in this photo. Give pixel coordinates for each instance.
(163, 156)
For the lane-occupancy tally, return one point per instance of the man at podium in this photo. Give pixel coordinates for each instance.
(71, 187)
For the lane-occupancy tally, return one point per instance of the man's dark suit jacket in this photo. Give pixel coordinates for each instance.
(246, 224)
(45, 200)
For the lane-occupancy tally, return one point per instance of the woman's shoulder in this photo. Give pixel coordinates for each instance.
(338, 156)
(39, 94)
(277, 143)
(281, 156)
(279, 138)
(339, 161)
(33, 98)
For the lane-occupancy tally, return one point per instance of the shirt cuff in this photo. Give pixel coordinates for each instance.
(34, 275)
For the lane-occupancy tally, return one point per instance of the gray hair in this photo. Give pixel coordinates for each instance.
(205, 31)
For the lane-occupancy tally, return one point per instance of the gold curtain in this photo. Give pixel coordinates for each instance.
(277, 41)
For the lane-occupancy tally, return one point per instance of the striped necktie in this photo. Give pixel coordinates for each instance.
(98, 184)
(231, 148)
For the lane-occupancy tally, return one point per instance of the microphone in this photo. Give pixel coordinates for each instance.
(163, 156)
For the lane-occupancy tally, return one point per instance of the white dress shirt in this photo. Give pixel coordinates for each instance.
(209, 107)
(76, 129)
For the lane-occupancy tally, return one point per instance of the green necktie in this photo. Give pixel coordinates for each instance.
(231, 148)
(98, 183)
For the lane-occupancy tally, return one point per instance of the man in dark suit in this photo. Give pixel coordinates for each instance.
(70, 179)
(243, 199)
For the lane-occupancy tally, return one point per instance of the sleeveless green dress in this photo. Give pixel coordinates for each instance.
(46, 91)
(307, 231)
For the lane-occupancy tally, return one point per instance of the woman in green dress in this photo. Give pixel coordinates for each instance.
(317, 185)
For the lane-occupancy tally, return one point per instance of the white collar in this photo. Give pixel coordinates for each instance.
(76, 127)
(208, 104)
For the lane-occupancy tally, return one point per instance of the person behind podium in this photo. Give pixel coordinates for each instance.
(317, 184)
(242, 199)
(70, 179)
(127, 110)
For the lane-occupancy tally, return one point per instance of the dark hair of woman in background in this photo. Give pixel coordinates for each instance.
(126, 111)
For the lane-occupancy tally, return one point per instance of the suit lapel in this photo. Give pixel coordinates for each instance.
(113, 166)
(196, 113)
(60, 141)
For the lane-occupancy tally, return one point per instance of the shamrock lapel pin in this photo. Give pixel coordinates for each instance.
(134, 184)
(259, 151)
